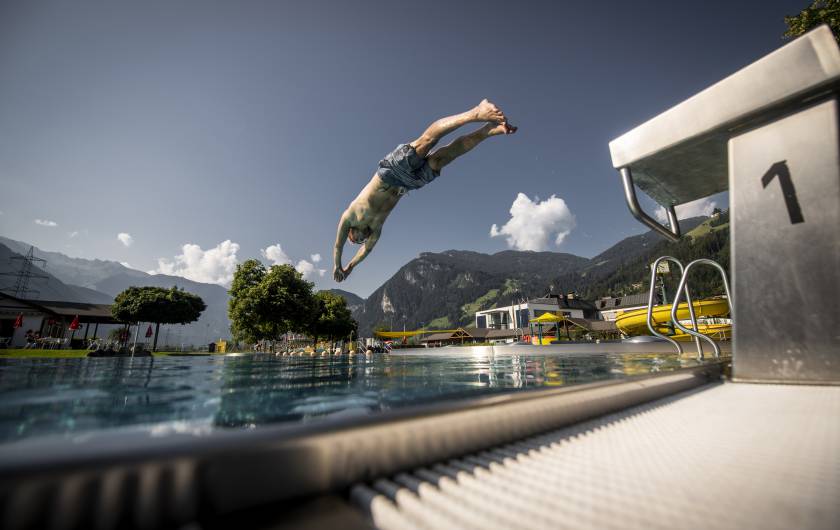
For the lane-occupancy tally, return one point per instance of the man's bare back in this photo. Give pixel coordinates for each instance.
(409, 166)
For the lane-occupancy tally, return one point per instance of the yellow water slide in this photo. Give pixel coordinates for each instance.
(634, 322)
(715, 331)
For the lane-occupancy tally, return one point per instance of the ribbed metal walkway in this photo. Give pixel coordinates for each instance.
(724, 456)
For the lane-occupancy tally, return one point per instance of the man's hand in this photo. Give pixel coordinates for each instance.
(340, 274)
(340, 238)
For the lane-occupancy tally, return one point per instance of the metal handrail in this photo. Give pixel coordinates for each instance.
(676, 344)
(673, 232)
(683, 281)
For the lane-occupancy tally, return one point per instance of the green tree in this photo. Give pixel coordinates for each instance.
(243, 309)
(158, 305)
(267, 303)
(334, 318)
(819, 12)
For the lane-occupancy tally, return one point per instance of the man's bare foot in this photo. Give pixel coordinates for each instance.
(502, 128)
(487, 111)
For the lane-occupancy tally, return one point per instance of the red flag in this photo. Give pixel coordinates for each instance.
(18, 321)
(75, 324)
(149, 331)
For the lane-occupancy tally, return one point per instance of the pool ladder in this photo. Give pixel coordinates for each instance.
(683, 288)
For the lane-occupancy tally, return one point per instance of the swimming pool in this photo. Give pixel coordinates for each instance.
(75, 398)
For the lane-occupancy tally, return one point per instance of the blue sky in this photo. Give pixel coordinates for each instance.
(256, 123)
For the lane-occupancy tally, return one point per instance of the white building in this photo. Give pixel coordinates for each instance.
(518, 315)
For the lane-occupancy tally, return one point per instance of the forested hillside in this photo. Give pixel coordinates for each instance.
(443, 290)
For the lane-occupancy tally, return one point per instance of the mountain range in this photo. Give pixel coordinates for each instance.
(45, 286)
(99, 281)
(444, 290)
(438, 290)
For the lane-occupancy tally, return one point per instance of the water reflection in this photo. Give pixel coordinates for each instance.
(70, 396)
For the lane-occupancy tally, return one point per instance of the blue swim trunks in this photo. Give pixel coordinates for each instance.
(405, 169)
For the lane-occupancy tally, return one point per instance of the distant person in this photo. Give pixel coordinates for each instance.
(409, 167)
(29, 337)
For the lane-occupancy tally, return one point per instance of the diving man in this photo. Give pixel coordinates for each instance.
(409, 167)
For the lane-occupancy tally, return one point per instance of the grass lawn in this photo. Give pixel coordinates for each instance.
(706, 228)
(63, 354)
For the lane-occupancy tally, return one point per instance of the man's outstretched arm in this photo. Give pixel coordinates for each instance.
(363, 252)
(340, 239)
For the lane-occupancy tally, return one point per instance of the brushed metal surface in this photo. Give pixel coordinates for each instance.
(680, 155)
(786, 248)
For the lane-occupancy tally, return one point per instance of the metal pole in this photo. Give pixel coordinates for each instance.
(136, 331)
(662, 285)
(683, 280)
(650, 306)
(672, 232)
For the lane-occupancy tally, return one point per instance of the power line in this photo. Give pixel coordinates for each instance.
(30, 268)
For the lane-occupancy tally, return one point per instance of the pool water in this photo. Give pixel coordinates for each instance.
(74, 397)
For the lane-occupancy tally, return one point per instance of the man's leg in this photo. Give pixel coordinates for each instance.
(485, 111)
(463, 144)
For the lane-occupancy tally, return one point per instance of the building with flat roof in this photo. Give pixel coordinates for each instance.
(51, 319)
(518, 315)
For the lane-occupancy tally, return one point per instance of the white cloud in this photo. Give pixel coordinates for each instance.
(45, 222)
(214, 265)
(125, 239)
(126, 264)
(533, 224)
(309, 270)
(703, 207)
(274, 253)
(73, 234)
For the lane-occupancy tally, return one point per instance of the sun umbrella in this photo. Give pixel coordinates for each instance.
(18, 321)
(149, 331)
(545, 318)
(548, 318)
(75, 324)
